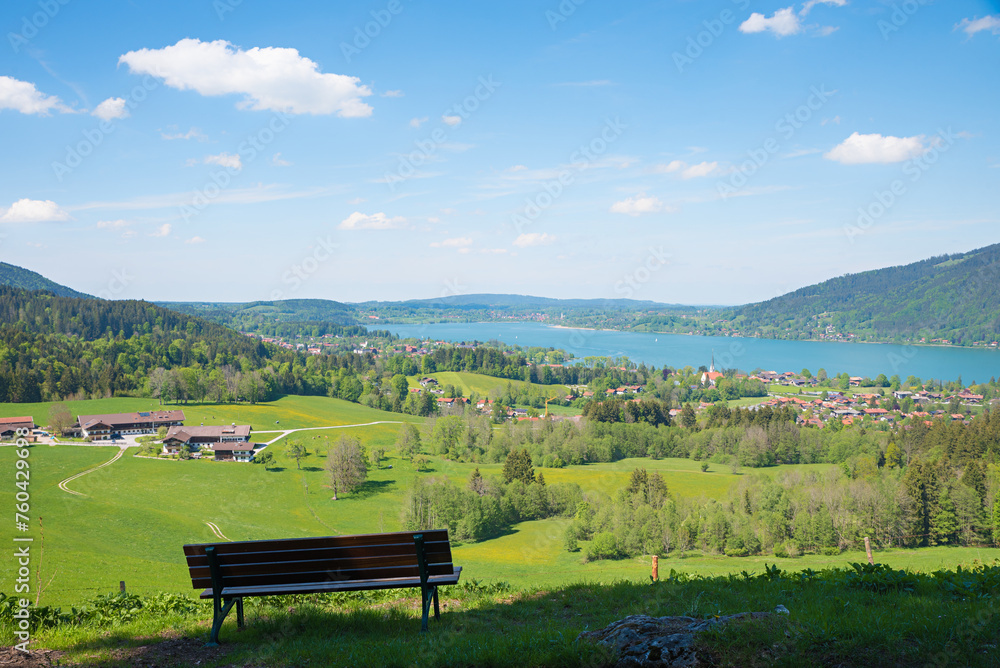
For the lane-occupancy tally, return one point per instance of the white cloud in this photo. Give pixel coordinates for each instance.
(700, 170)
(193, 133)
(806, 8)
(417, 122)
(22, 96)
(195, 240)
(269, 78)
(227, 160)
(859, 149)
(111, 109)
(33, 211)
(452, 120)
(113, 224)
(784, 22)
(162, 231)
(688, 171)
(674, 166)
(278, 161)
(458, 242)
(534, 239)
(376, 221)
(633, 206)
(393, 93)
(972, 26)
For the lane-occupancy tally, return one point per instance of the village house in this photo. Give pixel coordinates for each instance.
(116, 425)
(9, 427)
(234, 451)
(196, 438)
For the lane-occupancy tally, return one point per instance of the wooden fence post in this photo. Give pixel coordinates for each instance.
(656, 568)
(121, 586)
(868, 551)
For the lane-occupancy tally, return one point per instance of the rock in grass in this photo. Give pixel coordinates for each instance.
(659, 642)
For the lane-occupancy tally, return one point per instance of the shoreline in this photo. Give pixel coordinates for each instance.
(717, 336)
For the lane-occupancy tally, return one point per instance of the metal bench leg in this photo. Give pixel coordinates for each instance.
(427, 597)
(218, 618)
(239, 612)
(437, 612)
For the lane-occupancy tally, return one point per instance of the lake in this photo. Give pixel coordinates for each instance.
(678, 350)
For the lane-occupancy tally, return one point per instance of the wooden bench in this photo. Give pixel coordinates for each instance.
(229, 572)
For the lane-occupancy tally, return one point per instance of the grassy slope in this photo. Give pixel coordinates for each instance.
(292, 412)
(485, 386)
(138, 512)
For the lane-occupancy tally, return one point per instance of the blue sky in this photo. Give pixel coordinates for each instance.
(714, 152)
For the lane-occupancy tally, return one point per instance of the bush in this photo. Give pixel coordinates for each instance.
(704, 467)
(830, 551)
(780, 553)
(604, 546)
(740, 552)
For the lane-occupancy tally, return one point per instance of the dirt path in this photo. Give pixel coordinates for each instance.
(111, 461)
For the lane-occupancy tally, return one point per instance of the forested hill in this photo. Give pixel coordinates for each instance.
(19, 277)
(52, 347)
(284, 318)
(951, 297)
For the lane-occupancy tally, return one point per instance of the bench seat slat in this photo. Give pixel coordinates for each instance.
(323, 587)
(322, 575)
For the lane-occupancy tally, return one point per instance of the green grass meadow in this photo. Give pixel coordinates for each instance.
(290, 412)
(485, 386)
(137, 513)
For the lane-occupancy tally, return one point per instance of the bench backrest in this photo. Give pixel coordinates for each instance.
(326, 559)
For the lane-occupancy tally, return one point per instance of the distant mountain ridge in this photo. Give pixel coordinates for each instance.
(949, 297)
(19, 277)
(488, 300)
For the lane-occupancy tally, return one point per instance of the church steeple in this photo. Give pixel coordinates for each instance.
(711, 369)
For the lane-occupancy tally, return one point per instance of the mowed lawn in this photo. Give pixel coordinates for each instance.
(290, 412)
(485, 386)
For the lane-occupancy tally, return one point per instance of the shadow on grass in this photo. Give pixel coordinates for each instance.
(494, 625)
(374, 487)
